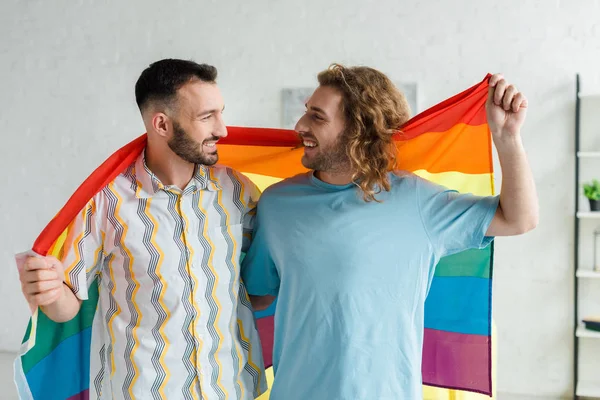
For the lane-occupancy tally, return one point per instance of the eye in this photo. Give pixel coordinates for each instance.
(317, 117)
(206, 118)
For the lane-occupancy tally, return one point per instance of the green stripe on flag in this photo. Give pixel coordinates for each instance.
(27, 332)
(474, 263)
(50, 334)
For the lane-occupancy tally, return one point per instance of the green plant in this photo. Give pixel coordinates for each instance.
(592, 190)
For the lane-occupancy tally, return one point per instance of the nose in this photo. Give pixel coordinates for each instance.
(301, 126)
(220, 128)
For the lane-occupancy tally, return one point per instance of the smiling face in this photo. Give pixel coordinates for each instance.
(320, 130)
(196, 122)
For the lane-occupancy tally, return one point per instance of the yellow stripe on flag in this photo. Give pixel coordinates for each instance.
(262, 181)
(477, 184)
(269, 375)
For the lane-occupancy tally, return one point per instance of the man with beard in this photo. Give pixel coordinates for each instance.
(350, 248)
(164, 240)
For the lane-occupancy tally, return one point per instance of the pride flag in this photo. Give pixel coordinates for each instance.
(449, 144)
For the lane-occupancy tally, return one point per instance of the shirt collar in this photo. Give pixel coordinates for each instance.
(148, 184)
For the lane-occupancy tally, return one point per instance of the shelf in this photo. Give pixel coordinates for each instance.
(588, 154)
(589, 95)
(588, 273)
(588, 214)
(587, 333)
(588, 389)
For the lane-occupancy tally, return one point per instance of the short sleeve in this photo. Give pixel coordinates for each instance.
(249, 218)
(259, 273)
(453, 221)
(82, 253)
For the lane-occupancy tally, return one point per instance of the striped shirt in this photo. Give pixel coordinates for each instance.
(173, 319)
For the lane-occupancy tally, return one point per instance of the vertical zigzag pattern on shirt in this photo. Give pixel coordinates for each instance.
(214, 314)
(250, 366)
(225, 221)
(156, 259)
(77, 265)
(113, 206)
(236, 352)
(121, 230)
(185, 297)
(231, 263)
(98, 380)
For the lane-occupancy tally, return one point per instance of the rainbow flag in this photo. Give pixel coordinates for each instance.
(449, 144)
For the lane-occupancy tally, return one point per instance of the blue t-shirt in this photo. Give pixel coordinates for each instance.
(351, 279)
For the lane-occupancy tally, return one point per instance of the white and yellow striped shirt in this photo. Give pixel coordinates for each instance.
(173, 318)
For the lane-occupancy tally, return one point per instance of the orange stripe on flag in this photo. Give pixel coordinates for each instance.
(459, 149)
(279, 162)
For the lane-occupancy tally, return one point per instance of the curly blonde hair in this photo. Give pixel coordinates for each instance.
(374, 110)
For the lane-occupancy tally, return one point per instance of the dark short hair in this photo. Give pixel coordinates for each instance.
(161, 80)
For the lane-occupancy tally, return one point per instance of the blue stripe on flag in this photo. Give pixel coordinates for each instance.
(459, 304)
(65, 372)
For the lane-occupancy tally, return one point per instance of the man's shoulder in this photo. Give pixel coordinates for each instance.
(223, 174)
(298, 181)
(125, 181)
(124, 185)
(220, 170)
(404, 180)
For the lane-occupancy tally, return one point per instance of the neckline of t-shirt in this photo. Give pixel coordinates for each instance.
(317, 182)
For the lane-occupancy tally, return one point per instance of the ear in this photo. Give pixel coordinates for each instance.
(161, 124)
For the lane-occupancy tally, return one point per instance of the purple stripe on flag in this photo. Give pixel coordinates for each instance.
(457, 361)
(85, 395)
(265, 328)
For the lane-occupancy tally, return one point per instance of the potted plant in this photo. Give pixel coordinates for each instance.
(592, 192)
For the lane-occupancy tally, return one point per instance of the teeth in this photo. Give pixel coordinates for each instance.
(210, 144)
(309, 144)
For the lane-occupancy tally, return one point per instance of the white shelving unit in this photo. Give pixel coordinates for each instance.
(582, 388)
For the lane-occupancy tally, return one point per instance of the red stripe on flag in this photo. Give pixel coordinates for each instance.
(466, 107)
(101, 177)
(242, 136)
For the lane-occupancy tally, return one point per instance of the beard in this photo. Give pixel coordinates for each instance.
(189, 149)
(329, 158)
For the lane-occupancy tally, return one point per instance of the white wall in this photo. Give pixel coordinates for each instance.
(68, 69)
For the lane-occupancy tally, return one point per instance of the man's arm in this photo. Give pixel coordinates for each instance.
(518, 210)
(258, 271)
(65, 308)
(59, 287)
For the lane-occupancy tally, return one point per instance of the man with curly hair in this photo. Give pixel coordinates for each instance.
(350, 248)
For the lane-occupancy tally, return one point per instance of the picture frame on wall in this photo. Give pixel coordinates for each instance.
(293, 102)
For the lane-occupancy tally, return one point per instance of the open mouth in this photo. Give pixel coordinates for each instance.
(309, 143)
(210, 146)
